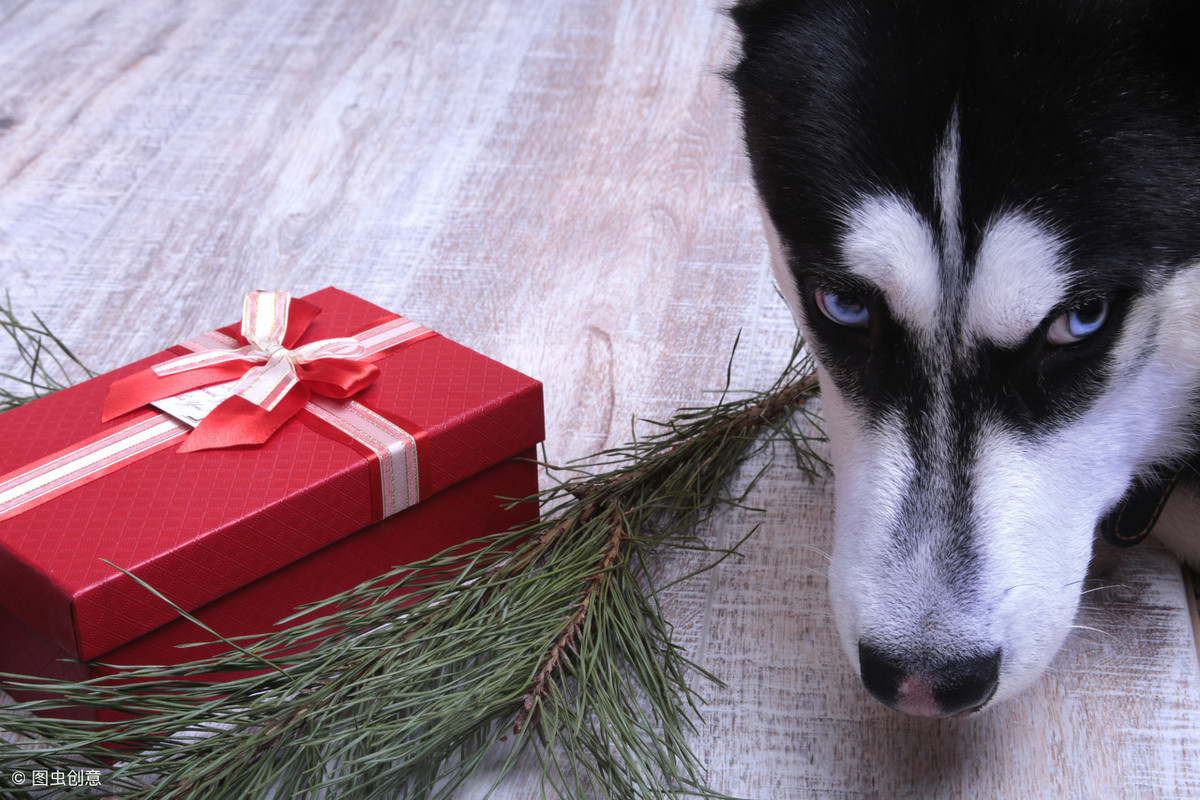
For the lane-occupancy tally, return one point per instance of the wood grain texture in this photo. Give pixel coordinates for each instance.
(558, 184)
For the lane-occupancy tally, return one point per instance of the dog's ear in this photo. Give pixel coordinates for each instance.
(758, 17)
(757, 14)
(784, 37)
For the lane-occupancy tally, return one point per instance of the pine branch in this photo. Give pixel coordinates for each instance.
(550, 638)
(612, 552)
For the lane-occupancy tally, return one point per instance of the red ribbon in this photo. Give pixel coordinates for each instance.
(275, 375)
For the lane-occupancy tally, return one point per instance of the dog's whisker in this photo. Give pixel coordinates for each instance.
(1101, 631)
(1014, 587)
(818, 551)
(810, 572)
(1098, 583)
(1102, 588)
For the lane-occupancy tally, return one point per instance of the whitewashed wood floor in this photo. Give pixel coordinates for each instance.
(558, 184)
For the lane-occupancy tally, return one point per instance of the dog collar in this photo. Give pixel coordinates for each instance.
(1137, 512)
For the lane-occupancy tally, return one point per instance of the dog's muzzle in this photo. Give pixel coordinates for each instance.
(940, 689)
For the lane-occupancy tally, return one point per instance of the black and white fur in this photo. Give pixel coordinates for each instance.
(986, 218)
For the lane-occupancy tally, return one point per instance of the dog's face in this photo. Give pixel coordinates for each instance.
(987, 222)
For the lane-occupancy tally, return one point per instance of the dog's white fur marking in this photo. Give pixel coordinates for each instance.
(781, 264)
(890, 245)
(873, 468)
(948, 197)
(1019, 279)
(1036, 505)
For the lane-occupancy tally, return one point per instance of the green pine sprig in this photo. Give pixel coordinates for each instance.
(50, 364)
(549, 639)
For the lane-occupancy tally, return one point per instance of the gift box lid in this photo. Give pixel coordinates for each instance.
(198, 525)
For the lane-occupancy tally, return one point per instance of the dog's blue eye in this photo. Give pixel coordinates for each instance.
(844, 309)
(1078, 323)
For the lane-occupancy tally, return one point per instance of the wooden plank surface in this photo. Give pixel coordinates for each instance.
(558, 184)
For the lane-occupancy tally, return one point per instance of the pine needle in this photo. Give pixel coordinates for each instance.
(45, 356)
(549, 638)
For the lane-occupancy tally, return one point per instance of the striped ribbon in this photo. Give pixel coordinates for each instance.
(90, 460)
(391, 450)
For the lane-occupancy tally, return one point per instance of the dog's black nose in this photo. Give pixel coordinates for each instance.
(935, 689)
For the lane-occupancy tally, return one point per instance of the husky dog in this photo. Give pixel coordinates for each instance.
(985, 216)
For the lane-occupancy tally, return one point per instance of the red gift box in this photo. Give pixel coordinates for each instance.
(240, 536)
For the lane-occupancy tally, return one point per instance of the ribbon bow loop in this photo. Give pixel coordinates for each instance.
(272, 374)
